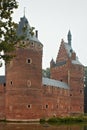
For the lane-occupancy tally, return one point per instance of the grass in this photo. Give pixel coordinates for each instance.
(65, 120)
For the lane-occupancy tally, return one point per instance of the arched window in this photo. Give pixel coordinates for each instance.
(46, 106)
(11, 82)
(29, 60)
(29, 106)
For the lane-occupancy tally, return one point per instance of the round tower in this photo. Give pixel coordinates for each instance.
(26, 68)
(24, 74)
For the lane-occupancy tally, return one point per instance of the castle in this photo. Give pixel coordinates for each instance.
(26, 95)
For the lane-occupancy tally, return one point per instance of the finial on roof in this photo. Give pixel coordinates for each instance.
(69, 37)
(24, 11)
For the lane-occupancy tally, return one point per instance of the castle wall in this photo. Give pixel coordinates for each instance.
(55, 101)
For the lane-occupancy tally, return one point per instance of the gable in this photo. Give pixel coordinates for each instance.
(62, 54)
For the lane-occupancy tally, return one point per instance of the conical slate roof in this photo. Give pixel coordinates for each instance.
(24, 29)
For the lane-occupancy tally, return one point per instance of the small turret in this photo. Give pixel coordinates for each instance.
(69, 38)
(52, 63)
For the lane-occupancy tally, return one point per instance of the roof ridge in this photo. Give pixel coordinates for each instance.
(54, 83)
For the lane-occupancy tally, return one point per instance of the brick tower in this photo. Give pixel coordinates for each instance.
(24, 76)
(68, 69)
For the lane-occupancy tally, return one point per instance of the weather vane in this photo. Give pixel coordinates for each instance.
(24, 11)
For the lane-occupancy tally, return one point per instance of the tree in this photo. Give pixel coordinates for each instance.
(7, 28)
(46, 72)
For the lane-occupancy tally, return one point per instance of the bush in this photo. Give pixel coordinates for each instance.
(68, 120)
(42, 120)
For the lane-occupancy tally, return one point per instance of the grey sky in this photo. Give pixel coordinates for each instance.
(53, 19)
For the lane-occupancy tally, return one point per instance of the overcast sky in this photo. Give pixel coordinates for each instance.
(53, 19)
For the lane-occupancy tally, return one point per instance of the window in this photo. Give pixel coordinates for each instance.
(4, 84)
(11, 82)
(46, 106)
(29, 60)
(29, 106)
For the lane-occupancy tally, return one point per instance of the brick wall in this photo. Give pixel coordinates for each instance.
(24, 79)
(55, 101)
(77, 89)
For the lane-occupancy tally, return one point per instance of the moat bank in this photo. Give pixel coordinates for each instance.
(37, 126)
(64, 120)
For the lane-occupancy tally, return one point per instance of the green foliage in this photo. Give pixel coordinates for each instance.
(32, 31)
(68, 119)
(42, 120)
(7, 27)
(46, 72)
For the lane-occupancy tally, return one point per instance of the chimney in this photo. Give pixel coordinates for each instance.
(36, 33)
